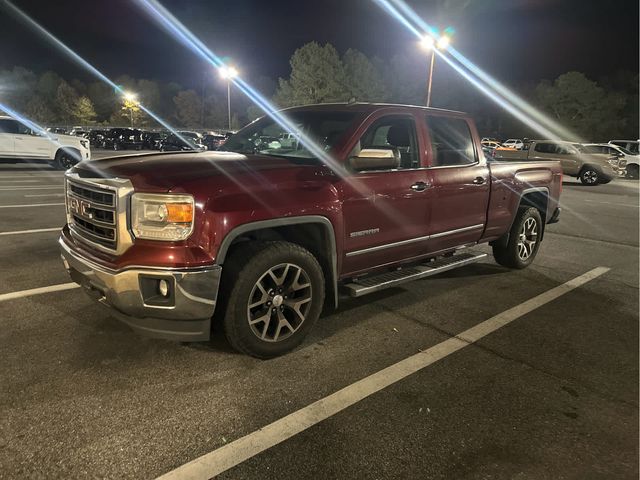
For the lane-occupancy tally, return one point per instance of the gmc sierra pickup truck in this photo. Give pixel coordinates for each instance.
(258, 238)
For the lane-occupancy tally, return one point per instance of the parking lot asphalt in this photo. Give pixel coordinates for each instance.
(553, 394)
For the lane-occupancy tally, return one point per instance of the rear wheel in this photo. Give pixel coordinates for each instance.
(524, 240)
(632, 171)
(274, 293)
(589, 176)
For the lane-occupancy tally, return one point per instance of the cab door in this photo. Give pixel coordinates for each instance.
(386, 212)
(460, 182)
(8, 127)
(28, 143)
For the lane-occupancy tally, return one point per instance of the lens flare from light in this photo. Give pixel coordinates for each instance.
(83, 63)
(496, 91)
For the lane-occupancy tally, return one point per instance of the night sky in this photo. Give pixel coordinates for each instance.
(518, 41)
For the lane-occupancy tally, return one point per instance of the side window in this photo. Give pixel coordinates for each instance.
(545, 148)
(8, 125)
(451, 141)
(393, 133)
(23, 129)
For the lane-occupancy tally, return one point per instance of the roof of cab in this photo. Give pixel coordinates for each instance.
(366, 107)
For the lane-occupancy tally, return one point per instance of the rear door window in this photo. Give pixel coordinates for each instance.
(451, 141)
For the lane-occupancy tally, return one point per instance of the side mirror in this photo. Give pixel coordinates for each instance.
(375, 159)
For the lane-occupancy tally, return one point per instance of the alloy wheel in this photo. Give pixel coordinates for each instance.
(279, 302)
(590, 176)
(527, 238)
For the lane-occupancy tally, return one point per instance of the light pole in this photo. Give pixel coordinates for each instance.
(228, 73)
(429, 43)
(131, 104)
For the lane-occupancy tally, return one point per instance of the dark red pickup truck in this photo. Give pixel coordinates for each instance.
(259, 237)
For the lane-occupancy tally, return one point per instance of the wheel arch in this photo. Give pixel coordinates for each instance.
(313, 232)
(73, 151)
(536, 197)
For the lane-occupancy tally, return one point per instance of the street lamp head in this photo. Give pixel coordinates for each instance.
(427, 42)
(131, 97)
(228, 73)
(443, 42)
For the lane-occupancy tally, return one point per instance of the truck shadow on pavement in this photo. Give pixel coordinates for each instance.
(112, 342)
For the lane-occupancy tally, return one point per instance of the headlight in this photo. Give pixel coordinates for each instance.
(84, 143)
(162, 217)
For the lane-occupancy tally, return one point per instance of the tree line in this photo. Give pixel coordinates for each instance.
(595, 110)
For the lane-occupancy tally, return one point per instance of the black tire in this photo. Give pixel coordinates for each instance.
(632, 171)
(512, 255)
(64, 160)
(250, 292)
(590, 176)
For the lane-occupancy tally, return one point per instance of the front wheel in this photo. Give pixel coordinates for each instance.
(274, 294)
(64, 160)
(589, 176)
(632, 171)
(524, 240)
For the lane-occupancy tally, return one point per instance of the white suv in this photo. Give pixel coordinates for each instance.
(20, 141)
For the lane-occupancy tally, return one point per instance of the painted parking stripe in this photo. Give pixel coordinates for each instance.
(10, 180)
(614, 203)
(236, 452)
(40, 174)
(32, 187)
(31, 205)
(38, 291)
(45, 195)
(37, 230)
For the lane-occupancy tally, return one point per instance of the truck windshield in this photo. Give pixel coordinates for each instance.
(267, 137)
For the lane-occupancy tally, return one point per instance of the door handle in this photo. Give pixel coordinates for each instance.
(478, 181)
(419, 186)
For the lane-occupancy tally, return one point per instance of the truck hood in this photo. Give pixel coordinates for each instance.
(164, 171)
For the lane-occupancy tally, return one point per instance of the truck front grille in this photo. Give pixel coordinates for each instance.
(92, 214)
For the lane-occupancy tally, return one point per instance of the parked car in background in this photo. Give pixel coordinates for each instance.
(123, 139)
(22, 142)
(610, 149)
(182, 141)
(153, 140)
(631, 145)
(96, 138)
(79, 131)
(591, 169)
(489, 139)
(490, 144)
(213, 141)
(58, 130)
(513, 143)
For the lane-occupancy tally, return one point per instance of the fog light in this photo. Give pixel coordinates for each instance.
(163, 288)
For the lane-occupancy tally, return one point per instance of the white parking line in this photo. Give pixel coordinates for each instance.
(37, 230)
(46, 195)
(38, 291)
(33, 175)
(18, 181)
(32, 187)
(614, 203)
(32, 205)
(236, 452)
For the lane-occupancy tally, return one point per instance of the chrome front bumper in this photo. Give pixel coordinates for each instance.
(133, 297)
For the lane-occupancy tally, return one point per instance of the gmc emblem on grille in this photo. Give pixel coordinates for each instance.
(80, 207)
